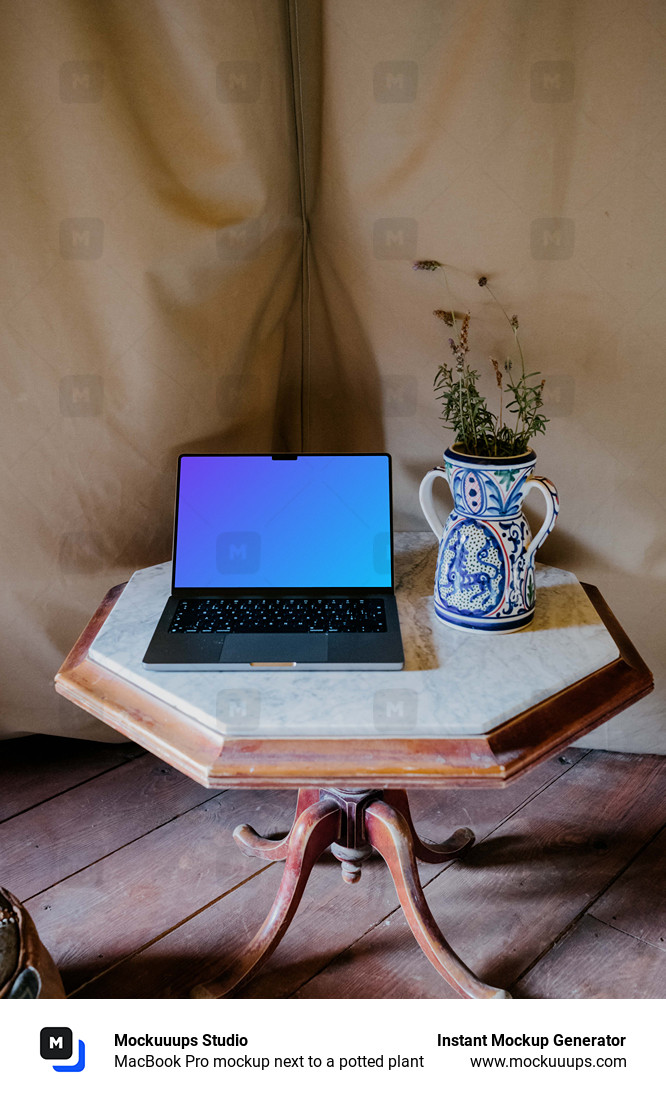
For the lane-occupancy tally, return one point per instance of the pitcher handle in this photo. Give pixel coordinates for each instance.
(427, 503)
(549, 492)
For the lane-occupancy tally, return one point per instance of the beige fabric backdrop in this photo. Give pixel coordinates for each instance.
(156, 177)
(151, 254)
(525, 141)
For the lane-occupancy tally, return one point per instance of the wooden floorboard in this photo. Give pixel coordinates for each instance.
(113, 908)
(35, 768)
(597, 962)
(514, 894)
(331, 916)
(138, 889)
(60, 836)
(632, 907)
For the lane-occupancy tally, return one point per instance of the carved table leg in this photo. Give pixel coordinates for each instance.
(251, 843)
(460, 841)
(352, 823)
(316, 828)
(390, 835)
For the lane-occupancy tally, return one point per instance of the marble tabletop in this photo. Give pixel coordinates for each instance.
(454, 684)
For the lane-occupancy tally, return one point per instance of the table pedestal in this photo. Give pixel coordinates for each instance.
(352, 823)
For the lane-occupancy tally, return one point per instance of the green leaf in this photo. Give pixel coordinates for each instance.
(530, 590)
(506, 477)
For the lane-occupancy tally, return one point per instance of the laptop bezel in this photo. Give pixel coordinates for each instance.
(222, 592)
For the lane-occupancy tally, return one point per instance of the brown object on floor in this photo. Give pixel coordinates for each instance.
(27, 970)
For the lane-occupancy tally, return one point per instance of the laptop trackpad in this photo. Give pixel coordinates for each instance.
(248, 648)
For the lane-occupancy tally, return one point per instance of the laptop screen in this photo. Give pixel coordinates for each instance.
(286, 522)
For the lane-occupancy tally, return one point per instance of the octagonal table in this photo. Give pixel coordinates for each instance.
(466, 710)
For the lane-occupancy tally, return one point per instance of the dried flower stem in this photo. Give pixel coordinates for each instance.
(463, 407)
(500, 385)
(512, 321)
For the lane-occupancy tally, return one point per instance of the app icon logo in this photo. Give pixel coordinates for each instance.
(56, 1043)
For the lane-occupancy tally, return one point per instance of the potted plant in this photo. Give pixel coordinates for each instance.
(485, 568)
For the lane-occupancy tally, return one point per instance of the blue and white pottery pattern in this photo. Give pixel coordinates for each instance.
(485, 567)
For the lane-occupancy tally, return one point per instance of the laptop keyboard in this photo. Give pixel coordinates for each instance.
(279, 616)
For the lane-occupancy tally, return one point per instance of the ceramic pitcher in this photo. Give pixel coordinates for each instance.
(485, 566)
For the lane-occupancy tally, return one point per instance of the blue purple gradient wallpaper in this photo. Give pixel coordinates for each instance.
(314, 522)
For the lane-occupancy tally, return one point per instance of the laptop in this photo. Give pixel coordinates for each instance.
(281, 562)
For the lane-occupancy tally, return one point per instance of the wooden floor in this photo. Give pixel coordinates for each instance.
(137, 889)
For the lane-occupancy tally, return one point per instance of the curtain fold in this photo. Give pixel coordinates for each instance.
(152, 260)
(524, 142)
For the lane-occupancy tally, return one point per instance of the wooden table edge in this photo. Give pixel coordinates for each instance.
(217, 760)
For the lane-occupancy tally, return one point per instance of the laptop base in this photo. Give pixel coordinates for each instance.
(256, 652)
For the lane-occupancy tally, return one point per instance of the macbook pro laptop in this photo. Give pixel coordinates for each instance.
(281, 562)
